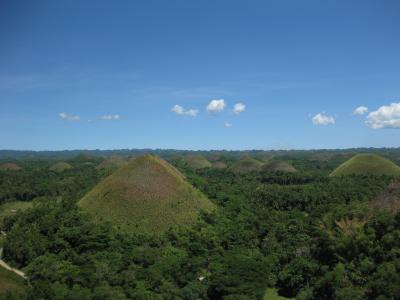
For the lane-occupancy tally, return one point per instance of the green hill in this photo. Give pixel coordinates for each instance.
(279, 166)
(147, 194)
(196, 161)
(245, 165)
(60, 167)
(10, 167)
(112, 162)
(367, 164)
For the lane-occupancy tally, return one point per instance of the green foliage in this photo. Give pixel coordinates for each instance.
(303, 235)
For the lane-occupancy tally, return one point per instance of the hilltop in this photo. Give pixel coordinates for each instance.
(10, 167)
(245, 165)
(279, 166)
(367, 164)
(147, 194)
(60, 167)
(196, 161)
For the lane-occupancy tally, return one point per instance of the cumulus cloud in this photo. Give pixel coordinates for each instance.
(323, 119)
(216, 106)
(109, 117)
(239, 108)
(360, 110)
(68, 117)
(179, 110)
(227, 124)
(387, 116)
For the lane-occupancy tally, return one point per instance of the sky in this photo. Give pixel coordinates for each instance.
(199, 74)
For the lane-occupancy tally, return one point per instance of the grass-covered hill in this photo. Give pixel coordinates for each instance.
(147, 194)
(279, 166)
(196, 161)
(112, 162)
(246, 164)
(367, 164)
(60, 167)
(10, 167)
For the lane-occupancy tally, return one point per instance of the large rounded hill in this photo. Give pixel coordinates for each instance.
(147, 194)
(245, 165)
(278, 166)
(196, 161)
(373, 164)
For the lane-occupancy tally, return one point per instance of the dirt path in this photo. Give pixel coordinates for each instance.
(7, 266)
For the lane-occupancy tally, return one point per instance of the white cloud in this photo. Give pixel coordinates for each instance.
(360, 110)
(387, 116)
(227, 124)
(216, 106)
(323, 119)
(67, 117)
(109, 117)
(179, 110)
(239, 108)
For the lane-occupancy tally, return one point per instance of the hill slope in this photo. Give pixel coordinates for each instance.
(279, 166)
(196, 161)
(147, 194)
(245, 165)
(367, 164)
(112, 162)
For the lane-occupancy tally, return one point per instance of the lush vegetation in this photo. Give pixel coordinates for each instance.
(273, 235)
(147, 194)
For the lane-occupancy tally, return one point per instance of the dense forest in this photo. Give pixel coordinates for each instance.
(304, 235)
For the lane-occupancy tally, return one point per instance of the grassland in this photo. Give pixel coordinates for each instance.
(147, 194)
(10, 208)
(279, 166)
(245, 165)
(196, 161)
(11, 285)
(367, 164)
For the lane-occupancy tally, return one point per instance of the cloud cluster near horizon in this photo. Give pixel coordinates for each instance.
(179, 110)
(387, 116)
(239, 108)
(68, 117)
(361, 110)
(216, 106)
(109, 117)
(323, 119)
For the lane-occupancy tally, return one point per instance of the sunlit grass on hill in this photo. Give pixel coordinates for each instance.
(363, 164)
(245, 165)
(147, 194)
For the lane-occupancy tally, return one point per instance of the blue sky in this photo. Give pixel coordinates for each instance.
(107, 74)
